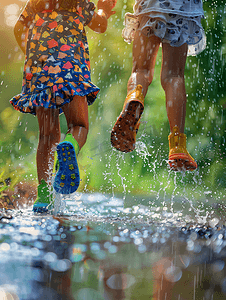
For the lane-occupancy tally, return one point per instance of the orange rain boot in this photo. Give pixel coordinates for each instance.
(179, 158)
(123, 134)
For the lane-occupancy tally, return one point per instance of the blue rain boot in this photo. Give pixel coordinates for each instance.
(44, 198)
(67, 177)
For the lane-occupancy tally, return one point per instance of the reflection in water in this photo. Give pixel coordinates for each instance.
(73, 257)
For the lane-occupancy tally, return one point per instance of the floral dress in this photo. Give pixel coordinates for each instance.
(174, 21)
(57, 65)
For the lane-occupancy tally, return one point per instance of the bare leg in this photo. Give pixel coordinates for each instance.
(67, 178)
(76, 113)
(145, 50)
(172, 79)
(49, 136)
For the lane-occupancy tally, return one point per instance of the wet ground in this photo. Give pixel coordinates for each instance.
(96, 247)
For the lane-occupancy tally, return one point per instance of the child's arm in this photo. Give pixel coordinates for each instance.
(21, 32)
(99, 21)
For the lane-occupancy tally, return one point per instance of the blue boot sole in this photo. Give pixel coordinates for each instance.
(67, 178)
(40, 207)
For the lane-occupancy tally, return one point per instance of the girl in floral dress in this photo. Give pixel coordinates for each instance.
(56, 80)
(176, 24)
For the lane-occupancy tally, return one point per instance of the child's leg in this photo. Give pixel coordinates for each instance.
(145, 49)
(67, 178)
(76, 113)
(49, 136)
(172, 79)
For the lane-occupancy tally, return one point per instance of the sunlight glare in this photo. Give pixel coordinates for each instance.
(11, 13)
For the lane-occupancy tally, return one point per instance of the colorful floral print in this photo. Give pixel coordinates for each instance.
(57, 65)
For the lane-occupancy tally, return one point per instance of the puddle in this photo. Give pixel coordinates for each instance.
(95, 248)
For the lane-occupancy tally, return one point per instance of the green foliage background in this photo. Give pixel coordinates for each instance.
(145, 170)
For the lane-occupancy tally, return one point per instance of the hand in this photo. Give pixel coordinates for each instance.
(107, 6)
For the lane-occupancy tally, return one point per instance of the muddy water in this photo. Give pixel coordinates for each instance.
(96, 248)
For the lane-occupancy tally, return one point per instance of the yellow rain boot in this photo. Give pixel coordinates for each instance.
(123, 134)
(179, 158)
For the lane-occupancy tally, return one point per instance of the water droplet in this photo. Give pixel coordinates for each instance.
(173, 274)
(120, 281)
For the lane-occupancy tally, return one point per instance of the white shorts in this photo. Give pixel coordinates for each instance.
(174, 21)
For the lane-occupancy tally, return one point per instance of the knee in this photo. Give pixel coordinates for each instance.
(82, 124)
(172, 81)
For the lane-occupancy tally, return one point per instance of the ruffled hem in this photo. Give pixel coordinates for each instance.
(187, 8)
(54, 97)
(171, 28)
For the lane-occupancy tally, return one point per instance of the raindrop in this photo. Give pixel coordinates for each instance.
(173, 274)
(120, 281)
(47, 237)
(142, 248)
(116, 239)
(72, 229)
(193, 236)
(39, 245)
(61, 265)
(213, 222)
(138, 241)
(63, 236)
(50, 257)
(112, 249)
(185, 260)
(197, 248)
(218, 266)
(107, 245)
(5, 247)
(95, 247)
(190, 245)
(35, 252)
(154, 240)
